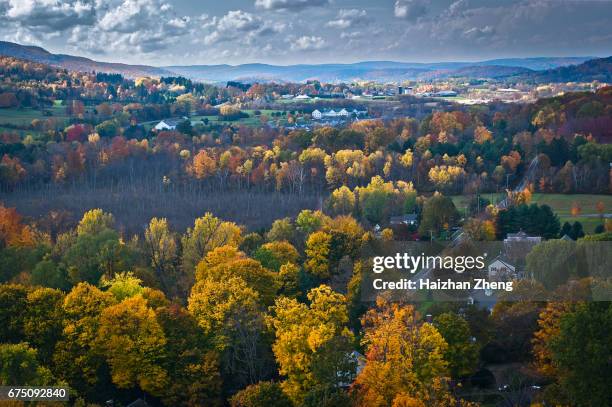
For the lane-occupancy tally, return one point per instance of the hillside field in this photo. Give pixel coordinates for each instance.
(561, 204)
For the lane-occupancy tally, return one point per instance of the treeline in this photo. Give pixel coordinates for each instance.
(459, 162)
(220, 316)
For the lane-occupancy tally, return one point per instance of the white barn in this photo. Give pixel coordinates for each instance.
(168, 124)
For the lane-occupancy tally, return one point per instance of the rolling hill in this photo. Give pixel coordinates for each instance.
(532, 69)
(74, 63)
(599, 69)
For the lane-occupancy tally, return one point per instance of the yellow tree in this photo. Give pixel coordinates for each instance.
(77, 357)
(161, 248)
(208, 232)
(407, 158)
(202, 166)
(94, 222)
(274, 254)
(312, 342)
(12, 231)
(231, 315)
(404, 358)
(549, 324)
(482, 135)
(318, 247)
(226, 262)
(133, 343)
(342, 201)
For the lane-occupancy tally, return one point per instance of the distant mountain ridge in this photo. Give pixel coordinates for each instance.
(75, 63)
(533, 69)
(599, 69)
(370, 70)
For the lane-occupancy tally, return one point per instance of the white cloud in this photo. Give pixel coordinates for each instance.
(140, 26)
(131, 15)
(234, 24)
(289, 4)
(478, 33)
(349, 18)
(308, 43)
(240, 25)
(48, 15)
(410, 9)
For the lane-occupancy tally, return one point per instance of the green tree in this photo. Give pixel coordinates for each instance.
(19, 366)
(582, 352)
(190, 361)
(108, 128)
(13, 307)
(43, 321)
(50, 274)
(94, 255)
(282, 229)
(552, 263)
(123, 285)
(532, 219)
(462, 352)
(309, 221)
(439, 213)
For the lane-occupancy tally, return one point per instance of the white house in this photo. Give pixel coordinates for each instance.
(407, 220)
(317, 115)
(167, 124)
(446, 93)
(500, 269)
(343, 113)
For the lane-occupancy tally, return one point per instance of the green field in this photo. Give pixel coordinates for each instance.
(24, 116)
(252, 120)
(560, 203)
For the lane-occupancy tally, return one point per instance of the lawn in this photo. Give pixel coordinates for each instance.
(24, 116)
(561, 204)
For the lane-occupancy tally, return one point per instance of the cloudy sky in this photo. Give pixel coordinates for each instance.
(164, 32)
